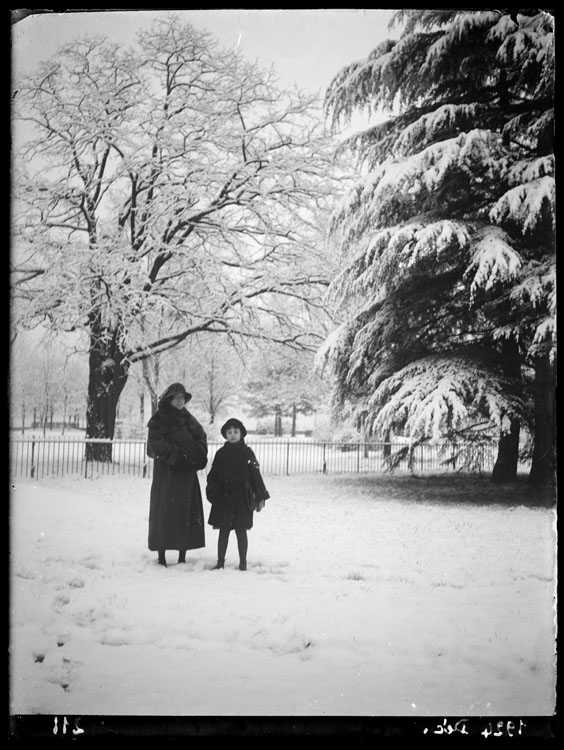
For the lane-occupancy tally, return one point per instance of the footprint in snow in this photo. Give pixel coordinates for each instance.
(62, 671)
(115, 637)
(355, 576)
(91, 562)
(284, 644)
(278, 569)
(26, 574)
(60, 602)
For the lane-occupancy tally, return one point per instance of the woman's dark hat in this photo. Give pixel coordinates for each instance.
(233, 423)
(174, 390)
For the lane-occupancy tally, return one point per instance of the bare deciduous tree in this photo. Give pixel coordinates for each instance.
(163, 191)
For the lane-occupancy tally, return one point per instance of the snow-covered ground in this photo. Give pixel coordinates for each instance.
(364, 596)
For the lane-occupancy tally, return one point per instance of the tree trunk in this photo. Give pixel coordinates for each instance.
(154, 403)
(65, 400)
(387, 452)
(142, 407)
(505, 468)
(152, 385)
(212, 406)
(277, 421)
(106, 379)
(294, 416)
(543, 466)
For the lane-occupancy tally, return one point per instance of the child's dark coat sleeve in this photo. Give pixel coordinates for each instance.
(257, 482)
(215, 486)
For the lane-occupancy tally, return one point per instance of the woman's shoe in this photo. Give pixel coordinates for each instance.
(182, 556)
(162, 559)
(243, 565)
(220, 564)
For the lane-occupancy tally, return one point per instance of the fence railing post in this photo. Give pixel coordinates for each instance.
(38, 457)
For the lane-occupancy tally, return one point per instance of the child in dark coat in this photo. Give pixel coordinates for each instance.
(235, 489)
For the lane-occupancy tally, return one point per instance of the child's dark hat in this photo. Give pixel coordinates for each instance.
(233, 423)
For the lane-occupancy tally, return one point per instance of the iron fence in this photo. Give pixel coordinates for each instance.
(41, 457)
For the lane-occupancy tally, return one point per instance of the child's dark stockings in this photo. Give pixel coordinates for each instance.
(242, 544)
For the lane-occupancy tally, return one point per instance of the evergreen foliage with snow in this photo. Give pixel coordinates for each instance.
(447, 281)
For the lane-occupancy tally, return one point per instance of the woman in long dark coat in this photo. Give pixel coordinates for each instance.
(235, 489)
(177, 442)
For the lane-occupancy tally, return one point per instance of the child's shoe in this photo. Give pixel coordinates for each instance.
(219, 565)
(243, 565)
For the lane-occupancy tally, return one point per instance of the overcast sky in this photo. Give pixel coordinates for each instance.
(306, 47)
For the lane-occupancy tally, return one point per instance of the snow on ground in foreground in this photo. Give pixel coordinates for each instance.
(359, 600)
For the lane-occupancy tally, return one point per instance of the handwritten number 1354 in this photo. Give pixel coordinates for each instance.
(503, 728)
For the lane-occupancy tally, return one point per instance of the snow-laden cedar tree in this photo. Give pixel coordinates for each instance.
(161, 191)
(447, 248)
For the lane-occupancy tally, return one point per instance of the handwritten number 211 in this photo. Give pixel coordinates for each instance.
(76, 730)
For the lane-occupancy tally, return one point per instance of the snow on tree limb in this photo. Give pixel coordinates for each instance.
(354, 87)
(527, 205)
(494, 260)
(537, 285)
(396, 251)
(397, 189)
(529, 170)
(529, 40)
(433, 396)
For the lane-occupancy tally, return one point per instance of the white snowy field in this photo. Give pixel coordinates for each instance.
(364, 596)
